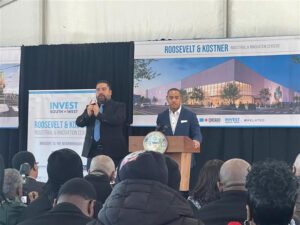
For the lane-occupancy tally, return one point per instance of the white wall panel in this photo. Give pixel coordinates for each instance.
(255, 18)
(20, 23)
(109, 21)
(85, 21)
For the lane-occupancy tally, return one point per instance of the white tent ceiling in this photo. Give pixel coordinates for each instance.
(33, 22)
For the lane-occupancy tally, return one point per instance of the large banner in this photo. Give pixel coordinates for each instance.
(242, 82)
(9, 86)
(51, 123)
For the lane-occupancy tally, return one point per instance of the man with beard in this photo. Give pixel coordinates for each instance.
(104, 120)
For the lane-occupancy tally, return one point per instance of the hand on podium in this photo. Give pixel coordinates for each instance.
(196, 144)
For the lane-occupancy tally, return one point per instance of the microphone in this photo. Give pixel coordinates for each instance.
(162, 128)
(25, 169)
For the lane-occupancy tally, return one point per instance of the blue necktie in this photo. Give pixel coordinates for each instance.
(97, 126)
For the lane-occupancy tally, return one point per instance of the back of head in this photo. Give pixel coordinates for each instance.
(12, 185)
(206, 189)
(23, 157)
(145, 165)
(174, 175)
(104, 164)
(77, 187)
(297, 165)
(63, 165)
(233, 174)
(80, 193)
(272, 193)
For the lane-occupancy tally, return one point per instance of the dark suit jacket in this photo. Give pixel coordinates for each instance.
(32, 185)
(230, 207)
(62, 214)
(111, 129)
(187, 124)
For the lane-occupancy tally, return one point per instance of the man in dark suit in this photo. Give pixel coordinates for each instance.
(105, 121)
(178, 120)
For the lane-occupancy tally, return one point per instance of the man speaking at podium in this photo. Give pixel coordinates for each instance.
(178, 120)
(104, 120)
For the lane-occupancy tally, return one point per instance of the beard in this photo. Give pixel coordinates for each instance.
(101, 99)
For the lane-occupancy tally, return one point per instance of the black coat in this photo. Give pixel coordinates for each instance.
(101, 184)
(145, 202)
(230, 207)
(38, 207)
(112, 125)
(32, 185)
(62, 214)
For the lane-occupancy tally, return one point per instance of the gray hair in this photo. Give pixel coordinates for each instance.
(12, 182)
(102, 163)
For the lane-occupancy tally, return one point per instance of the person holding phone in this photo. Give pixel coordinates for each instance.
(104, 120)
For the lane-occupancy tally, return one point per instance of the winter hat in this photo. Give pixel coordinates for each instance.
(63, 165)
(174, 176)
(147, 165)
(23, 157)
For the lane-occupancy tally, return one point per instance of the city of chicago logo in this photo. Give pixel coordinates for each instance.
(155, 141)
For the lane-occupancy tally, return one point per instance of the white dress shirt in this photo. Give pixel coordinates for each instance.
(174, 118)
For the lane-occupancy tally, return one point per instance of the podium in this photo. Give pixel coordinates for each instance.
(180, 148)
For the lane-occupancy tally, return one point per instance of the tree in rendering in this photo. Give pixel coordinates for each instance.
(231, 93)
(265, 95)
(196, 95)
(143, 70)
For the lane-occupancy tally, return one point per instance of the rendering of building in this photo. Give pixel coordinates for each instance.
(212, 82)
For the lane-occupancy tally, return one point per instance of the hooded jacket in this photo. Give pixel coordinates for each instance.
(147, 202)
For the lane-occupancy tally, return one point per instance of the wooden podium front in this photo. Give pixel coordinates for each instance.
(180, 148)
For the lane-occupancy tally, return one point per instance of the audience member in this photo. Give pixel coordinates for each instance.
(206, 189)
(74, 206)
(11, 206)
(101, 174)
(141, 195)
(272, 193)
(232, 203)
(63, 165)
(30, 184)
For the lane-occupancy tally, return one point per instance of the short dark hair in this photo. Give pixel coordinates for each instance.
(173, 89)
(23, 157)
(272, 192)
(105, 82)
(79, 187)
